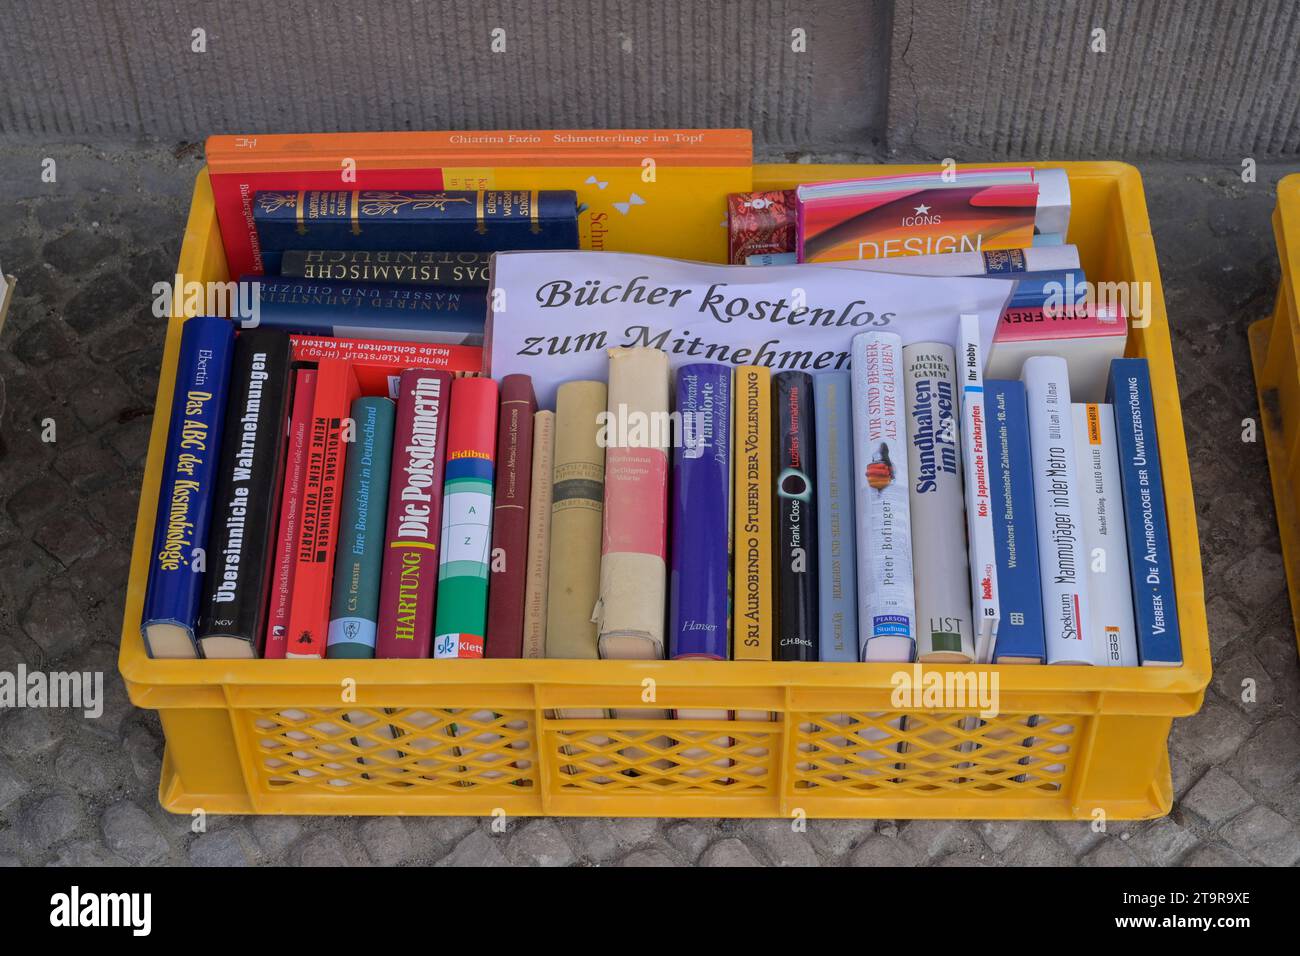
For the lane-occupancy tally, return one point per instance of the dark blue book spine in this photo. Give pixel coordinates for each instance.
(837, 562)
(189, 476)
(1015, 526)
(365, 310)
(700, 598)
(493, 220)
(1142, 485)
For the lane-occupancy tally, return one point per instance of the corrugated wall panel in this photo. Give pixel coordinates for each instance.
(126, 67)
(1018, 78)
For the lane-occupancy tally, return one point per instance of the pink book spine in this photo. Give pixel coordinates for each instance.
(1083, 322)
(277, 628)
(408, 587)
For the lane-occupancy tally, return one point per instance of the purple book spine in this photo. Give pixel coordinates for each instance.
(700, 599)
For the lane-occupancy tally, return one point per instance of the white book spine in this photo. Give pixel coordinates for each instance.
(1057, 508)
(1105, 542)
(933, 404)
(887, 616)
(957, 264)
(985, 609)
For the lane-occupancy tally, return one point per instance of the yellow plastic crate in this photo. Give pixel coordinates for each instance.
(1277, 380)
(478, 736)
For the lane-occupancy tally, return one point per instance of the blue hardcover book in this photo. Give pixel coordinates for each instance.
(1142, 485)
(836, 531)
(493, 220)
(371, 310)
(1020, 637)
(189, 477)
(699, 591)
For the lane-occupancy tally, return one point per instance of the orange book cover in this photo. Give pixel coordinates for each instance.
(623, 178)
(309, 605)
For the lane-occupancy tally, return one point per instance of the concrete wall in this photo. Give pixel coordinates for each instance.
(915, 77)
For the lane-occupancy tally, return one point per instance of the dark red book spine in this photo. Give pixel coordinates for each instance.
(514, 472)
(414, 528)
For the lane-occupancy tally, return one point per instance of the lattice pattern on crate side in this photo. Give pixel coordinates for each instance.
(682, 760)
(394, 750)
(926, 754)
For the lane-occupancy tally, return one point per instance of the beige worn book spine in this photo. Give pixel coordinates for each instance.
(633, 569)
(576, 518)
(633, 572)
(539, 535)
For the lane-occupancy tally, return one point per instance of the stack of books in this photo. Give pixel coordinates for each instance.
(343, 480)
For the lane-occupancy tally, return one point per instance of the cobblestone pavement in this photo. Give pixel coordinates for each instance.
(81, 348)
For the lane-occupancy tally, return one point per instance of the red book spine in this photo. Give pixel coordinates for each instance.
(460, 619)
(410, 577)
(309, 607)
(514, 472)
(277, 629)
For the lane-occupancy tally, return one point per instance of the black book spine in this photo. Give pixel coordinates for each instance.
(239, 558)
(451, 269)
(795, 510)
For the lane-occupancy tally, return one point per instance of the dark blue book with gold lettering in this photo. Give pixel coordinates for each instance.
(493, 220)
(370, 310)
(180, 535)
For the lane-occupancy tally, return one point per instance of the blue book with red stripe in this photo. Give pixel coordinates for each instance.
(178, 560)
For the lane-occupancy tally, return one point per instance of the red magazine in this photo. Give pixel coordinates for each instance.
(309, 606)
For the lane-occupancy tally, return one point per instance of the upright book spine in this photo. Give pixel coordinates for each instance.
(510, 516)
(577, 510)
(1150, 558)
(358, 567)
(460, 618)
(700, 605)
(1105, 546)
(935, 490)
(1015, 531)
(180, 534)
(295, 474)
(309, 609)
(539, 535)
(414, 527)
(887, 629)
(753, 584)
(633, 570)
(403, 268)
(986, 609)
(1066, 618)
(371, 310)
(795, 510)
(837, 565)
(240, 555)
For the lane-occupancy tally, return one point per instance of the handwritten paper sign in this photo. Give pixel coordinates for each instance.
(553, 315)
